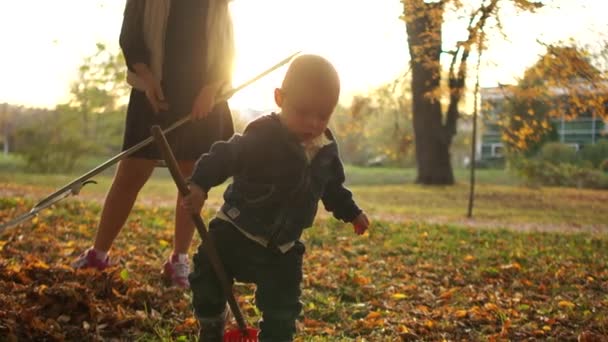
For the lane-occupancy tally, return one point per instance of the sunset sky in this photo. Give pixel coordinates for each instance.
(43, 42)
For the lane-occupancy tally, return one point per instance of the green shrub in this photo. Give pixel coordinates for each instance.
(53, 144)
(595, 154)
(557, 153)
(541, 172)
(604, 166)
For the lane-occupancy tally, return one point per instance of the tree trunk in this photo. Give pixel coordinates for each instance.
(432, 137)
(6, 130)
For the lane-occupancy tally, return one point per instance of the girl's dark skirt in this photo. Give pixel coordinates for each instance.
(187, 142)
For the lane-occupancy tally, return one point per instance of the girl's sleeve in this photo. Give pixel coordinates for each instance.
(131, 34)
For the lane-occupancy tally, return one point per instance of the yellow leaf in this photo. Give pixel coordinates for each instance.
(163, 243)
(538, 333)
(83, 228)
(447, 294)
(402, 329)
(40, 264)
(40, 290)
(491, 307)
(564, 304)
(469, 258)
(35, 220)
(512, 266)
(460, 313)
(399, 296)
(424, 309)
(546, 328)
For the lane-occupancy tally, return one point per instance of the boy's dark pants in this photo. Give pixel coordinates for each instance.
(277, 277)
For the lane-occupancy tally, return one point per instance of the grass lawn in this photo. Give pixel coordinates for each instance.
(389, 194)
(410, 281)
(424, 272)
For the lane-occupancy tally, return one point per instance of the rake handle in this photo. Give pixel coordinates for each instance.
(210, 249)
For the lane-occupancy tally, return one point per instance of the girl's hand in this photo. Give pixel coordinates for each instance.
(193, 203)
(204, 102)
(360, 224)
(154, 92)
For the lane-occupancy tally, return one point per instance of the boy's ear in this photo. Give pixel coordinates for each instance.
(278, 97)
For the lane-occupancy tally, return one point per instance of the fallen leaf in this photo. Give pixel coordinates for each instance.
(564, 304)
(460, 313)
(399, 296)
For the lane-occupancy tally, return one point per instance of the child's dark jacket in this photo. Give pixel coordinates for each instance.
(275, 190)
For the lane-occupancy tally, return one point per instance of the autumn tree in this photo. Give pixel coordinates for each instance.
(435, 128)
(381, 117)
(98, 91)
(89, 124)
(6, 123)
(563, 84)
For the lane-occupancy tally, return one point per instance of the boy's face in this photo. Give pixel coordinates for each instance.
(305, 111)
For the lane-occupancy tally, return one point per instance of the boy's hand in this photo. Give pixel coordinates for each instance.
(193, 203)
(361, 223)
(204, 102)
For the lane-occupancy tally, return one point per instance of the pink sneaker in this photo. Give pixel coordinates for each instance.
(90, 259)
(176, 271)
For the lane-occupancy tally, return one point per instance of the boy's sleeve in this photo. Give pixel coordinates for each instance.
(221, 162)
(224, 159)
(132, 35)
(337, 198)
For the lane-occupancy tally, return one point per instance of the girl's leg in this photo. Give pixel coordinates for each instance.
(131, 175)
(176, 269)
(184, 228)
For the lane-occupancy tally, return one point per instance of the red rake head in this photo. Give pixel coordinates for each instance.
(237, 335)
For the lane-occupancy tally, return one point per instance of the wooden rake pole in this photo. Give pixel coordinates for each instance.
(210, 248)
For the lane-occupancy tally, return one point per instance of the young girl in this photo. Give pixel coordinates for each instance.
(179, 55)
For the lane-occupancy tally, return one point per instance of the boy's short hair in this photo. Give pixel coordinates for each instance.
(312, 71)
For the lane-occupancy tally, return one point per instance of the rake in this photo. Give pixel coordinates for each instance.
(242, 334)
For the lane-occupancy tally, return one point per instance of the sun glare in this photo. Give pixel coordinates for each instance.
(365, 40)
(365, 55)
